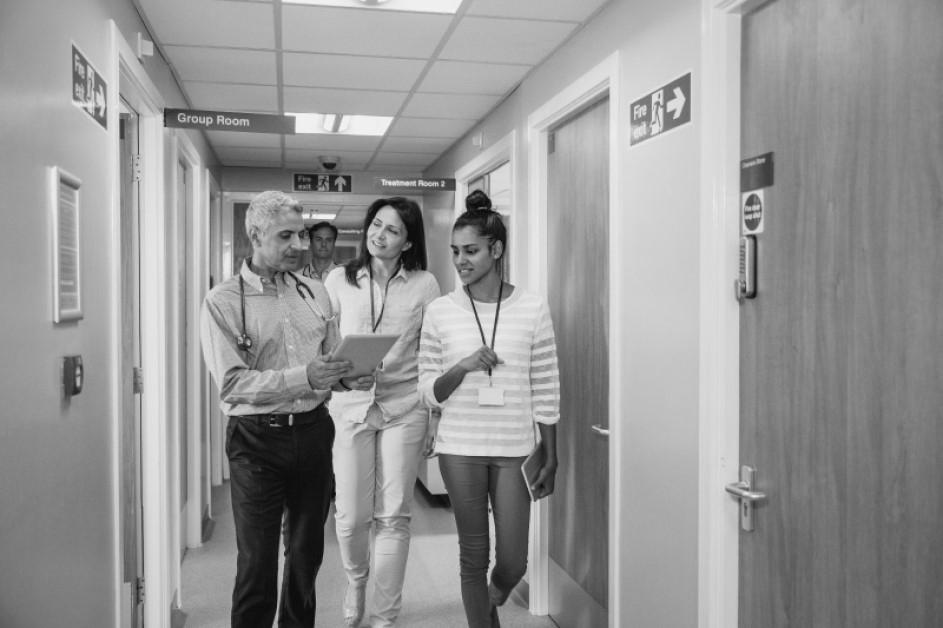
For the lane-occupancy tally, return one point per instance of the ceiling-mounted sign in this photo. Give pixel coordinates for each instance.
(228, 121)
(756, 174)
(321, 182)
(664, 109)
(414, 184)
(89, 90)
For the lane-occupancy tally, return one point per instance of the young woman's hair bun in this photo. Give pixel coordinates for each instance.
(477, 200)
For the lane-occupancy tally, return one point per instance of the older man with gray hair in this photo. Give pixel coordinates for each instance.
(267, 334)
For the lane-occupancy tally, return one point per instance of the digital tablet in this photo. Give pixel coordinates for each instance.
(530, 469)
(365, 351)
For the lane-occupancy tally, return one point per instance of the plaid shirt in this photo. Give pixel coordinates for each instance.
(287, 332)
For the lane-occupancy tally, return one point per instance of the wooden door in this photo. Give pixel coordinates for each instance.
(578, 236)
(841, 373)
(130, 430)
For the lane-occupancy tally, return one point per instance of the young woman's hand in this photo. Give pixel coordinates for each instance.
(363, 382)
(481, 360)
(543, 485)
(432, 428)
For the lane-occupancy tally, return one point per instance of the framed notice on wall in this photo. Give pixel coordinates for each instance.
(66, 268)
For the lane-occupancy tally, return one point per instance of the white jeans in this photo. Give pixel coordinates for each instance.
(375, 467)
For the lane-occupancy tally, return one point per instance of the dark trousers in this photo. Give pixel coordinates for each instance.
(278, 472)
(473, 481)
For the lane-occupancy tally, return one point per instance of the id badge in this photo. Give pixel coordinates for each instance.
(490, 396)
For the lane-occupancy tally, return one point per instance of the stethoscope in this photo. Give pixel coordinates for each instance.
(243, 341)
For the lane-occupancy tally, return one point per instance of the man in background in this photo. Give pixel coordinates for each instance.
(323, 235)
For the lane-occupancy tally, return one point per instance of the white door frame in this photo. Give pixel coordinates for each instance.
(505, 149)
(719, 353)
(596, 82)
(197, 285)
(131, 81)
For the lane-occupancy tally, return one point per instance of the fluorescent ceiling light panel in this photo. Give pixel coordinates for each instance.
(340, 124)
(318, 216)
(420, 6)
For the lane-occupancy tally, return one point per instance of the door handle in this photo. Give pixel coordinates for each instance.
(599, 429)
(743, 490)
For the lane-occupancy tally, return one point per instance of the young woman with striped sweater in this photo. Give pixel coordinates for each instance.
(487, 359)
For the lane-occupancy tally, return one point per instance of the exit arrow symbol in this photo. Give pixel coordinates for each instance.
(100, 100)
(676, 104)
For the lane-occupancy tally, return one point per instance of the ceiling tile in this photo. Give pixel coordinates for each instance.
(430, 127)
(469, 106)
(361, 31)
(436, 145)
(566, 10)
(367, 143)
(232, 97)
(223, 64)
(488, 39)
(410, 160)
(245, 153)
(473, 78)
(377, 73)
(345, 158)
(211, 22)
(253, 140)
(351, 101)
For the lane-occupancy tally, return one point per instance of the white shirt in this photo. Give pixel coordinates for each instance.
(402, 303)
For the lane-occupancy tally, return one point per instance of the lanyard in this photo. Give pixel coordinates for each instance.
(497, 312)
(375, 320)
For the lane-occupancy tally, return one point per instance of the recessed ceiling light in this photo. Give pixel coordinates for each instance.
(318, 215)
(340, 124)
(421, 6)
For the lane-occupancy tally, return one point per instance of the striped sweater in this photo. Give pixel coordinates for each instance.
(529, 374)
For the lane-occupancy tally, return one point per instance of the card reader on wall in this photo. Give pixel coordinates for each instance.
(73, 375)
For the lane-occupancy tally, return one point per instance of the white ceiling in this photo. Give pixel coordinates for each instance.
(436, 74)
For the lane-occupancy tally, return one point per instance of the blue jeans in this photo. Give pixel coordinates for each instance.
(471, 482)
(276, 471)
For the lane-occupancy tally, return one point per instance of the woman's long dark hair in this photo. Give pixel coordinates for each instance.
(413, 258)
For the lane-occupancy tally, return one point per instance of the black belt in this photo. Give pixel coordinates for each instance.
(286, 420)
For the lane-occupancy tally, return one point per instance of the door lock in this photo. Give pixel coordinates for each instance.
(743, 490)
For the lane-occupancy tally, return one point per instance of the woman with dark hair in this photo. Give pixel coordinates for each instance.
(487, 360)
(380, 432)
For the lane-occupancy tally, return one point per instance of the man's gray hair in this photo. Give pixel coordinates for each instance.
(265, 207)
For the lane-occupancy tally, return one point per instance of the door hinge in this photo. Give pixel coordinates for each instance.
(551, 143)
(139, 590)
(136, 168)
(137, 380)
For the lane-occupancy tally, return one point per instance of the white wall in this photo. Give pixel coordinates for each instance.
(658, 428)
(57, 538)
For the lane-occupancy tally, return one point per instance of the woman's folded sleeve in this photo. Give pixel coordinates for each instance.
(430, 362)
(544, 373)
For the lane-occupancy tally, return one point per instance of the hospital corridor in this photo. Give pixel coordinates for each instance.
(554, 313)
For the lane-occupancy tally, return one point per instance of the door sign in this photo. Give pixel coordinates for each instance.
(89, 90)
(228, 121)
(414, 184)
(756, 174)
(752, 205)
(664, 109)
(321, 182)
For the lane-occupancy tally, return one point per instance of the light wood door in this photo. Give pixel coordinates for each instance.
(578, 236)
(841, 373)
(130, 429)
